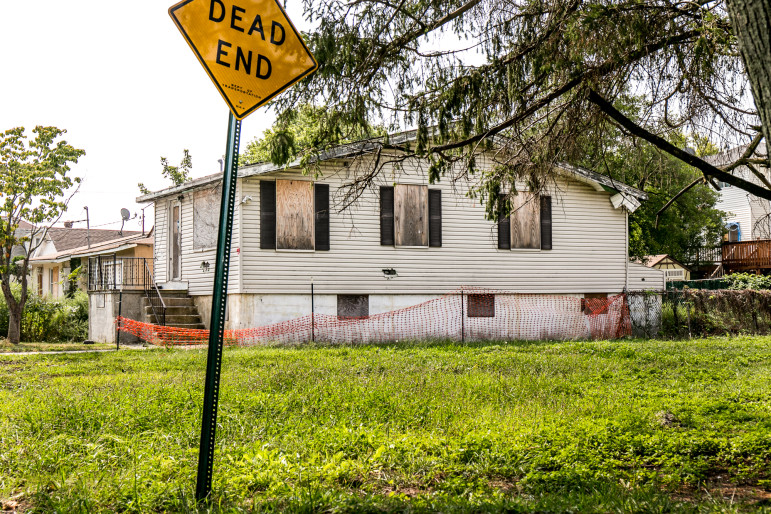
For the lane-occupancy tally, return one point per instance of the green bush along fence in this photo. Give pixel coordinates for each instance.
(700, 312)
(50, 320)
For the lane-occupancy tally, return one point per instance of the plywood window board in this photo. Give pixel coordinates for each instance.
(525, 221)
(294, 215)
(352, 306)
(411, 215)
(206, 217)
(480, 305)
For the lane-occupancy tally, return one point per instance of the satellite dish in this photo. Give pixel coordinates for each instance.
(126, 215)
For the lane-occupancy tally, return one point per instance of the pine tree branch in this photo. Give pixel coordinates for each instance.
(706, 168)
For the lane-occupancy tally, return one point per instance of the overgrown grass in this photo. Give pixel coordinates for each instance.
(580, 426)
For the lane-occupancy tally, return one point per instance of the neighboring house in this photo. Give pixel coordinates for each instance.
(404, 241)
(749, 217)
(65, 249)
(23, 230)
(747, 244)
(673, 269)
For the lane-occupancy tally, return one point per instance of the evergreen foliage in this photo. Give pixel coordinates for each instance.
(537, 77)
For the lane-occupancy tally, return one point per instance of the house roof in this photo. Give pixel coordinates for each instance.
(110, 246)
(69, 238)
(653, 260)
(728, 156)
(600, 182)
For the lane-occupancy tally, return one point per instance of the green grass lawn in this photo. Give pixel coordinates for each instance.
(7, 347)
(630, 426)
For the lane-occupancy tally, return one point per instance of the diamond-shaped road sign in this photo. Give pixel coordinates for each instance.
(249, 48)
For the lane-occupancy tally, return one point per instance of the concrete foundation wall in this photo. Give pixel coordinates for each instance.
(103, 308)
(250, 311)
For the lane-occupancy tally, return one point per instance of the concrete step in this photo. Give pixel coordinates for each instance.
(179, 321)
(192, 326)
(184, 309)
(182, 317)
(174, 302)
(167, 293)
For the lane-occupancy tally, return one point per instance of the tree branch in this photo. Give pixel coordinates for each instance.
(597, 72)
(706, 168)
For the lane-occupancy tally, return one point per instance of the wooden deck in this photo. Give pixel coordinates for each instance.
(747, 256)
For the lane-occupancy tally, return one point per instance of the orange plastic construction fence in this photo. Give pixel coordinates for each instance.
(472, 315)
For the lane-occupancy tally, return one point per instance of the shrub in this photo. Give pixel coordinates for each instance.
(747, 281)
(50, 320)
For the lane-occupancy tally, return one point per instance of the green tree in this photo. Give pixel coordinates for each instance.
(547, 73)
(668, 222)
(177, 174)
(33, 183)
(304, 132)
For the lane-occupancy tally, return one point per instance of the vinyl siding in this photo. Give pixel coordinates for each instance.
(198, 281)
(160, 231)
(735, 203)
(589, 243)
(752, 213)
(643, 278)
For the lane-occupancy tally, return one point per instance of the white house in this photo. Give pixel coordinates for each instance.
(59, 250)
(402, 242)
(749, 217)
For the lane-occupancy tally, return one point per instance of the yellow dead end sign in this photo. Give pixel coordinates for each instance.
(249, 48)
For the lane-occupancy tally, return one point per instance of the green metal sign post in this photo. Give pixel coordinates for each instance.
(278, 66)
(219, 301)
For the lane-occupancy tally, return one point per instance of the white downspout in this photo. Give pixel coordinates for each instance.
(626, 250)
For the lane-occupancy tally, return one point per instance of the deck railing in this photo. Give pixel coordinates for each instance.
(110, 273)
(702, 256)
(155, 299)
(747, 255)
(113, 273)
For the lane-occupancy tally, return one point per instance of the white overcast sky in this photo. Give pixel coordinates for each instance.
(120, 78)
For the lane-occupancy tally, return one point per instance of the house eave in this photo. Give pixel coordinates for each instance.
(596, 180)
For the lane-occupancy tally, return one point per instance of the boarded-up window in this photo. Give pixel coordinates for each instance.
(294, 215)
(352, 305)
(525, 221)
(595, 303)
(481, 305)
(411, 215)
(206, 214)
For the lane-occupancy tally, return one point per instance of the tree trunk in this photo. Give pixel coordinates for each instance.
(751, 22)
(14, 325)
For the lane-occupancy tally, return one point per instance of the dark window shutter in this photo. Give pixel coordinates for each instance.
(321, 206)
(504, 226)
(267, 215)
(546, 223)
(434, 217)
(387, 215)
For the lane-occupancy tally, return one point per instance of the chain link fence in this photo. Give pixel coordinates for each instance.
(699, 313)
